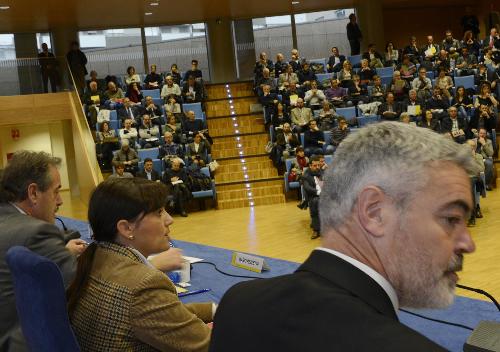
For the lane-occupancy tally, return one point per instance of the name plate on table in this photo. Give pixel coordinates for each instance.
(249, 262)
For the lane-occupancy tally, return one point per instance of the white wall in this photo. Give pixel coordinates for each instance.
(47, 138)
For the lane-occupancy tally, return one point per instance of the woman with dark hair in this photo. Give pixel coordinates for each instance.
(462, 101)
(174, 72)
(132, 77)
(107, 141)
(118, 300)
(391, 55)
(429, 121)
(134, 93)
(470, 43)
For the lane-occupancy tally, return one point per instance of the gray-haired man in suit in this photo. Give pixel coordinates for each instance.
(29, 199)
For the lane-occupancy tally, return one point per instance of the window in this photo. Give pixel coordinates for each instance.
(178, 44)
(272, 35)
(317, 32)
(8, 65)
(43, 38)
(111, 51)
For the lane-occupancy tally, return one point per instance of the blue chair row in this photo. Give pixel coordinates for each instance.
(211, 193)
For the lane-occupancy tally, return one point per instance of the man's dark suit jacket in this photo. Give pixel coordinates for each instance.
(17, 229)
(154, 175)
(447, 124)
(337, 67)
(326, 305)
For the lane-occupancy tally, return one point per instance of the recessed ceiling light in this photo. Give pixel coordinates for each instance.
(154, 4)
(148, 13)
(4, 7)
(295, 2)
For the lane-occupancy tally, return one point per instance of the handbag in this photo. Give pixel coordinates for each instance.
(292, 176)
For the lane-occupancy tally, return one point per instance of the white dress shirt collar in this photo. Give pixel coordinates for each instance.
(18, 209)
(379, 279)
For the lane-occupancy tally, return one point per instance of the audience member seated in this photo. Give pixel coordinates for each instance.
(152, 110)
(407, 68)
(488, 59)
(314, 140)
(429, 52)
(485, 148)
(279, 116)
(314, 97)
(286, 143)
(172, 106)
(335, 94)
(132, 77)
(177, 182)
(366, 73)
(390, 109)
(462, 101)
(374, 58)
(107, 141)
(289, 77)
(279, 65)
(268, 101)
(134, 93)
(192, 91)
(438, 103)
(466, 63)
(405, 118)
(192, 126)
(174, 127)
(430, 122)
(470, 43)
(486, 98)
(482, 118)
(149, 134)
(141, 306)
(358, 94)
(412, 51)
(265, 79)
(128, 132)
(492, 39)
(260, 65)
(171, 88)
(449, 42)
(478, 159)
(443, 62)
(120, 172)
(127, 157)
(335, 61)
(414, 105)
(170, 150)
(391, 55)
(481, 76)
(301, 116)
(295, 61)
(101, 83)
(174, 72)
(445, 83)
(290, 94)
(345, 75)
(194, 71)
(312, 184)
(422, 84)
(378, 90)
(92, 98)
(300, 163)
(113, 94)
(129, 110)
(153, 80)
(326, 116)
(306, 76)
(149, 173)
(455, 125)
(197, 149)
(340, 132)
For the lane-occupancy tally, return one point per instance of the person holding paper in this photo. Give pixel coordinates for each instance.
(422, 84)
(455, 125)
(119, 300)
(301, 116)
(176, 180)
(376, 254)
(414, 105)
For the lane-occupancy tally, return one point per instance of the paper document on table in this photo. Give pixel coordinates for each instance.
(180, 289)
(192, 260)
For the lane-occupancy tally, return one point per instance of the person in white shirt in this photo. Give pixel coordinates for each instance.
(128, 132)
(170, 88)
(314, 96)
(149, 134)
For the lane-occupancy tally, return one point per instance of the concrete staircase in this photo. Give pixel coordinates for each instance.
(246, 176)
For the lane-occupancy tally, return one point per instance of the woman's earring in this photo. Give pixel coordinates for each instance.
(131, 237)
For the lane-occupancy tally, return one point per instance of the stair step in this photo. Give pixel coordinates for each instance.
(240, 175)
(242, 121)
(237, 90)
(235, 165)
(217, 132)
(223, 108)
(246, 202)
(243, 192)
(233, 152)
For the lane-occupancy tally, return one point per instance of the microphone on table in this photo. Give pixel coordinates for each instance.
(486, 336)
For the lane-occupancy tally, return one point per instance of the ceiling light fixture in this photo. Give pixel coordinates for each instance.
(148, 13)
(295, 2)
(154, 4)
(4, 7)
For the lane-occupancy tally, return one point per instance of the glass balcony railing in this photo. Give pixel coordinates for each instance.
(33, 76)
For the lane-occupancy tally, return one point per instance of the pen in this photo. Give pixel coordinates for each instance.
(184, 294)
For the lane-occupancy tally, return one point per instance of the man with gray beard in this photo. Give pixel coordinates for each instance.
(393, 211)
